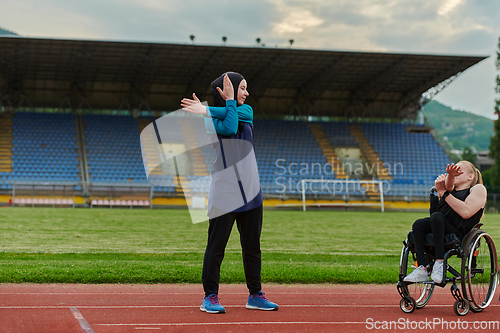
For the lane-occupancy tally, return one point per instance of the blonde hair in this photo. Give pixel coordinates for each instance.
(478, 178)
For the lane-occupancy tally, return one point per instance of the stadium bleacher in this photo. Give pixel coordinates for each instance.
(414, 159)
(281, 146)
(339, 134)
(45, 150)
(113, 149)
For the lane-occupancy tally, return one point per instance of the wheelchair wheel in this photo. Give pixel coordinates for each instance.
(479, 271)
(407, 304)
(420, 292)
(461, 307)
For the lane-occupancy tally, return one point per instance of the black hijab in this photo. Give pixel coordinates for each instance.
(235, 78)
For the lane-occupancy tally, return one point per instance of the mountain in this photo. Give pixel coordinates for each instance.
(458, 128)
(4, 32)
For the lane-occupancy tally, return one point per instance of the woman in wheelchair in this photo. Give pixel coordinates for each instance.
(462, 198)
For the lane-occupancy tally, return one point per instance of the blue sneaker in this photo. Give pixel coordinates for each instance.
(211, 304)
(260, 302)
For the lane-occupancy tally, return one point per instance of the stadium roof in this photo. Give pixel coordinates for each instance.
(152, 76)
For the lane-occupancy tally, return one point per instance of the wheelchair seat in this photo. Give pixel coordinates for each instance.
(451, 241)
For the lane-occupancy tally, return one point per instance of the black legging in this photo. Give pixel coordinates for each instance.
(250, 226)
(438, 226)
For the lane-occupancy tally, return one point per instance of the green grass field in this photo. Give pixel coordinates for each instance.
(45, 245)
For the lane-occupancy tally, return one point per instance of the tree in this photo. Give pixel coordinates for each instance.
(469, 155)
(495, 139)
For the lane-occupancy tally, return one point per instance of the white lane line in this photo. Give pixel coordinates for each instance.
(148, 328)
(83, 323)
(247, 323)
(225, 305)
(182, 294)
(197, 306)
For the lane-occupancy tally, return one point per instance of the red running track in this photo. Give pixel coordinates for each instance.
(175, 308)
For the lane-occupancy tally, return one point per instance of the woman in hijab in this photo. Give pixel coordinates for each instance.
(235, 193)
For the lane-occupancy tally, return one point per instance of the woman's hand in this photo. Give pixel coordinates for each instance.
(439, 184)
(193, 105)
(228, 92)
(453, 170)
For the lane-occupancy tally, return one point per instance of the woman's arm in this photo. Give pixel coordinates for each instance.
(439, 185)
(472, 204)
(229, 125)
(245, 113)
(452, 171)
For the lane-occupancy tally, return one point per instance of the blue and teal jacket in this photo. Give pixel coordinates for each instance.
(234, 122)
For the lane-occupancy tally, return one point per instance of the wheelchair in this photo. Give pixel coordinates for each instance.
(477, 275)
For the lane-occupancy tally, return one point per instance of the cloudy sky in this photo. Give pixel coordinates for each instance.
(458, 27)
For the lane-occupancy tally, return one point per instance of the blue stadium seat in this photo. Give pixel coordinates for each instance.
(44, 143)
(419, 156)
(113, 149)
